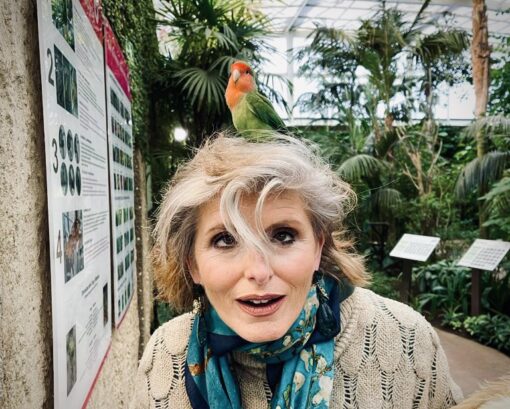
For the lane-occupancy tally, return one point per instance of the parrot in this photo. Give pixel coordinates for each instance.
(251, 111)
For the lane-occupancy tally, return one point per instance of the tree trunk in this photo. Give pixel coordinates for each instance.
(480, 54)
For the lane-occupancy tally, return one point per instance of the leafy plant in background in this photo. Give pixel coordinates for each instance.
(444, 292)
(499, 100)
(206, 36)
(443, 286)
(385, 285)
(490, 329)
(486, 169)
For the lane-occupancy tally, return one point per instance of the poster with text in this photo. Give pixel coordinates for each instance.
(73, 92)
(120, 141)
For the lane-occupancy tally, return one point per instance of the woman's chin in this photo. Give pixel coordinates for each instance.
(261, 333)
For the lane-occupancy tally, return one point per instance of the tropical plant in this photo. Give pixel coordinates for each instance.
(483, 171)
(499, 97)
(443, 286)
(490, 329)
(205, 37)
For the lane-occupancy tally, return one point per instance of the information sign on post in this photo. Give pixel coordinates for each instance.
(120, 143)
(73, 92)
(482, 255)
(410, 248)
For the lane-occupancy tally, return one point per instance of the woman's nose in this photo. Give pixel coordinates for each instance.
(257, 268)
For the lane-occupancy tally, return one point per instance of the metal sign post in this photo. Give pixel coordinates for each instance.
(483, 255)
(411, 248)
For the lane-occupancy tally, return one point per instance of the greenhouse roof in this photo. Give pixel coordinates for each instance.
(303, 15)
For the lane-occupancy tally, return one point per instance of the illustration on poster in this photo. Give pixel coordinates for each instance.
(73, 243)
(62, 16)
(71, 358)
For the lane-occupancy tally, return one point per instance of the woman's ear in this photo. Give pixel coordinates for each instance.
(193, 270)
(318, 255)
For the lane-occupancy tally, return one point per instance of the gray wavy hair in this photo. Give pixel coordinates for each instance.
(229, 168)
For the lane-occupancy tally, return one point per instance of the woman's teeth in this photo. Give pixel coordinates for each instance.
(260, 301)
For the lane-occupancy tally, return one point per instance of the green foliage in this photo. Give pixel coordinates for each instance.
(499, 101)
(163, 313)
(444, 292)
(205, 37)
(490, 329)
(443, 286)
(378, 45)
(134, 25)
(498, 203)
(385, 285)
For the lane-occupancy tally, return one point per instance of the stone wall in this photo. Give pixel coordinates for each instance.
(26, 367)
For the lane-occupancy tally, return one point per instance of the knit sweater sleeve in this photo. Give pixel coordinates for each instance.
(159, 381)
(389, 356)
(450, 394)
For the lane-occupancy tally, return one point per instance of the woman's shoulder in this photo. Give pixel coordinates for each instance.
(375, 309)
(168, 342)
(385, 328)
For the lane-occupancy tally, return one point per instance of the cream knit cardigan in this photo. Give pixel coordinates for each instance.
(386, 356)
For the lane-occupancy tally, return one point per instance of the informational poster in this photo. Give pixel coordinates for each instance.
(415, 247)
(121, 174)
(485, 254)
(73, 92)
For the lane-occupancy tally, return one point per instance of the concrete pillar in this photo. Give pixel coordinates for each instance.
(26, 367)
(25, 291)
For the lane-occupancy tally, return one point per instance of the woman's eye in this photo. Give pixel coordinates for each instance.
(223, 240)
(284, 236)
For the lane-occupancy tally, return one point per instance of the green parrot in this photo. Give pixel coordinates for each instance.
(251, 111)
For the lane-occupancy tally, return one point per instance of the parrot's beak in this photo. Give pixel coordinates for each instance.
(236, 74)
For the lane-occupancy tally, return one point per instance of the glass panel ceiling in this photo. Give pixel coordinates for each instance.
(303, 15)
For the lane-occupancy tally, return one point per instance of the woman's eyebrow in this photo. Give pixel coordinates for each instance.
(214, 228)
(285, 223)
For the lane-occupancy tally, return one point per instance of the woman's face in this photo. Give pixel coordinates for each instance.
(258, 301)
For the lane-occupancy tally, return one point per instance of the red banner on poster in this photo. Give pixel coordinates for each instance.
(115, 59)
(92, 9)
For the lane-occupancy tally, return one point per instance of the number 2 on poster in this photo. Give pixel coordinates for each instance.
(50, 73)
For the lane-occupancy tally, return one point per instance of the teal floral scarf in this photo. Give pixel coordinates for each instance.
(300, 366)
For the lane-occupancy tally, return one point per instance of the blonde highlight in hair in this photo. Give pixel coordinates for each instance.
(228, 169)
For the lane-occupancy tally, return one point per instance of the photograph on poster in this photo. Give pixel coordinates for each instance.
(71, 358)
(105, 304)
(70, 146)
(71, 179)
(62, 141)
(119, 244)
(63, 178)
(78, 181)
(77, 148)
(120, 270)
(62, 16)
(73, 243)
(67, 86)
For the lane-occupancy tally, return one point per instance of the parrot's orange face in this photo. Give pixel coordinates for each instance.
(241, 77)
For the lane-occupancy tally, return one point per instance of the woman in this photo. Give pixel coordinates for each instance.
(250, 234)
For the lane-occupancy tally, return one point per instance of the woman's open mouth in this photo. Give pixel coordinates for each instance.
(259, 306)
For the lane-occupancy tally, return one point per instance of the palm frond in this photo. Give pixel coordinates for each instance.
(360, 166)
(204, 88)
(491, 124)
(481, 172)
(386, 199)
(440, 43)
(498, 197)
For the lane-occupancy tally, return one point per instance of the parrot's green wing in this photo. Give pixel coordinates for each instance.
(263, 110)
